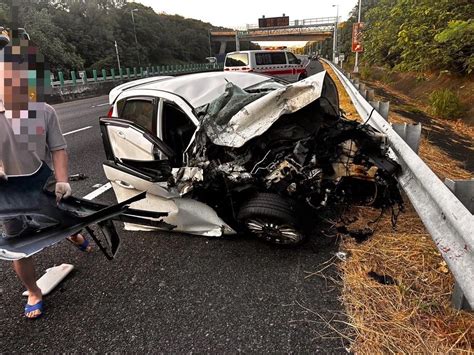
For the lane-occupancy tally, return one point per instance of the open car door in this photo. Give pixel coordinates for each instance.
(138, 161)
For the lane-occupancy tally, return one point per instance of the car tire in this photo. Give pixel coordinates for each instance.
(272, 218)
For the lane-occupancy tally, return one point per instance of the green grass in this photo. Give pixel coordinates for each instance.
(365, 73)
(445, 103)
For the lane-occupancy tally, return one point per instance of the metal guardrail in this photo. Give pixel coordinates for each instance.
(448, 221)
(81, 78)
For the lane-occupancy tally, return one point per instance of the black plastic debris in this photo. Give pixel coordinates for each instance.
(382, 279)
(360, 235)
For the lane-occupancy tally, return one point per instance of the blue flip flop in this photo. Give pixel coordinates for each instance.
(83, 246)
(32, 308)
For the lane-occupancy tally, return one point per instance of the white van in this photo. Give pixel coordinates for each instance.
(279, 63)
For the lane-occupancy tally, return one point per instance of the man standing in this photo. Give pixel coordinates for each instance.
(29, 134)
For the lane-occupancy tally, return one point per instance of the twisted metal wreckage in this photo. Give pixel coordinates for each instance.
(260, 157)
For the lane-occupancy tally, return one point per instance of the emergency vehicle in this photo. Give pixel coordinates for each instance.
(279, 63)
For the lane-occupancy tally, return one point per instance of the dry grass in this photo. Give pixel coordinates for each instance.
(344, 100)
(441, 165)
(413, 315)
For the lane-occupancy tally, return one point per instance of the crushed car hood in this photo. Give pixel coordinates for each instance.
(238, 116)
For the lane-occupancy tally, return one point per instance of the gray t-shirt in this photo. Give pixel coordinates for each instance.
(28, 139)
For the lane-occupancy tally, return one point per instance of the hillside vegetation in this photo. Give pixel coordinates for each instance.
(80, 34)
(413, 35)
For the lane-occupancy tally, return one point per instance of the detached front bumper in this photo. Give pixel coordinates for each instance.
(24, 196)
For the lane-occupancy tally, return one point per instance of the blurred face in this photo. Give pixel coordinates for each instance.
(20, 64)
(14, 85)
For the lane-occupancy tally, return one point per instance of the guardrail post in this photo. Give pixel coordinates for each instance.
(370, 94)
(121, 73)
(94, 74)
(464, 191)
(384, 109)
(112, 72)
(73, 78)
(128, 72)
(84, 77)
(104, 74)
(410, 133)
(61, 78)
(381, 107)
(134, 72)
(141, 72)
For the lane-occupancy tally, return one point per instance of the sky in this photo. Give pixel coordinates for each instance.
(237, 14)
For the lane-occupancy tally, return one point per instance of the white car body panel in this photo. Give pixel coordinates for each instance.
(124, 144)
(188, 215)
(116, 91)
(195, 89)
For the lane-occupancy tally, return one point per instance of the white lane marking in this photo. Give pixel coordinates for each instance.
(100, 105)
(77, 130)
(98, 192)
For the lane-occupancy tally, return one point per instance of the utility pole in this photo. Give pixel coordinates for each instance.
(334, 41)
(210, 44)
(135, 33)
(237, 41)
(356, 62)
(118, 57)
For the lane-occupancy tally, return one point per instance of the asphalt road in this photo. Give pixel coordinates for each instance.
(171, 292)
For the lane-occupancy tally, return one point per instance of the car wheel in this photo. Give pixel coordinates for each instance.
(302, 76)
(272, 218)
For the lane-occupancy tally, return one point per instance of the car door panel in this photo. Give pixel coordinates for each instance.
(126, 143)
(129, 177)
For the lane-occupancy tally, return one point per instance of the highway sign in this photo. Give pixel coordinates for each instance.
(274, 21)
(357, 45)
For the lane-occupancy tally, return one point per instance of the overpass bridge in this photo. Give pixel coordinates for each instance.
(314, 29)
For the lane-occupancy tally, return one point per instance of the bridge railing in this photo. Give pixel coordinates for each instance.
(74, 78)
(313, 22)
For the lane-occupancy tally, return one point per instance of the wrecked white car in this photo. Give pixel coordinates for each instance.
(227, 152)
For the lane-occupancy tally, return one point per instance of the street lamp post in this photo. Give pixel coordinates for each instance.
(356, 62)
(135, 33)
(118, 57)
(334, 41)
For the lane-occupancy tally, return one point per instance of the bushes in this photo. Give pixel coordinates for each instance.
(420, 35)
(445, 103)
(365, 73)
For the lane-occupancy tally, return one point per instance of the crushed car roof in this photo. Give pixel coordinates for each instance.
(197, 89)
